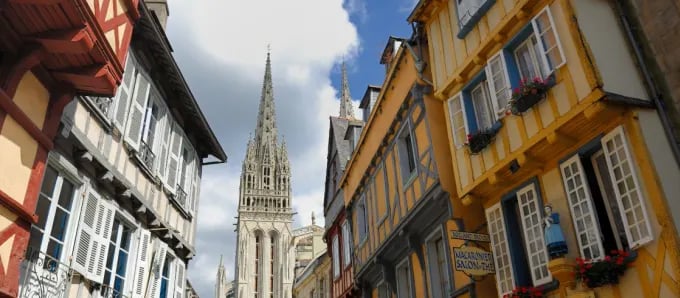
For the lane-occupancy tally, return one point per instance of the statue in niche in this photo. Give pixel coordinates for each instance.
(554, 238)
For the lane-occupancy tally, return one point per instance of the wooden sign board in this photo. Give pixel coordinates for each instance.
(470, 236)
(473, 261)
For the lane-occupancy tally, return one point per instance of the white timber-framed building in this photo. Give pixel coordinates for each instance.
(118, 205)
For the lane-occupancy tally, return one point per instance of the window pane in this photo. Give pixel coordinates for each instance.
(122, 263)
(54, 249)
(109, 259)
(42, 209)
(60, 224)
(35, 240)
(49, 180)
(125, 238)
(480, 100)
(66, 195)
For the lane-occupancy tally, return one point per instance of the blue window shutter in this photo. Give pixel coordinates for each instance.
(470, 113)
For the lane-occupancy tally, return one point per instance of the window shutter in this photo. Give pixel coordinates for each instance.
(548, 40)
(505, 280)
(582, 209)
(336, 256)
(165, 147)
(123, 94)
(179, 278)
(137, 111)
(196, 185)
(532, 221)
(142, 267)
(159, 256)
(627, 188)
(174, 159)
(499, 83)
(458, 120)
(91, 248)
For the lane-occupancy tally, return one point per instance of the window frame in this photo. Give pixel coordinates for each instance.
(498, 110)
(128, 278)
(335, 248)
(558, 43)
(466, 27)
(454, 128)
(407, 132)
(430, 247)
(404, 264)
(362, 219)
(346, 244)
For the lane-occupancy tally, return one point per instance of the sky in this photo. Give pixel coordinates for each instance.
(221, 47)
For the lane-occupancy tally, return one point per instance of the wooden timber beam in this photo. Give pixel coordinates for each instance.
(68, 41)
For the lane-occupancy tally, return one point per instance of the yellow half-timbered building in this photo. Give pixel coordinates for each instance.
(545, 106)
(397, 185)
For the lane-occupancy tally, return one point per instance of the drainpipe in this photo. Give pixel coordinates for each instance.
(655, 94)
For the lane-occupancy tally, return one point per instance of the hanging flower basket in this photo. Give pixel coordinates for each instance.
(478, 141)
(604, 272)
(528, 94)
(525, 292)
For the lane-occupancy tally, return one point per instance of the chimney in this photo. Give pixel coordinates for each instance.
(160, 8)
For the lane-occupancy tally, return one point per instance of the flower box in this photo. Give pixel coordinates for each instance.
(528, 94)
(525, 292)
(603, 272)
(477, 141)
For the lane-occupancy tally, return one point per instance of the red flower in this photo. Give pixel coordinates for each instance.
(607, 258)
(619, 261)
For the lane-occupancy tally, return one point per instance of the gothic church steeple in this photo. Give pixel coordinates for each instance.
(346, 108)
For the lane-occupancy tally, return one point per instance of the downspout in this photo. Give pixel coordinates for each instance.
(655, 94)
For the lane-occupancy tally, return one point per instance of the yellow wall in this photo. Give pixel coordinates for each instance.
(17, 146)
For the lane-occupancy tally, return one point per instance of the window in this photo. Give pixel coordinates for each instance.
(117, 260)
(362, 219)
(499, 84)
(517, 241)
(467, 9)
(258, 257)
(481, 103)
(457, 119)
(54, 213)
(528, 58)
(336, 257)
(346, 236)
(146, 146)
(322, 288)
(383, 290)
(407, 155)
(551, 49)
(165, 279)
(604, 195)
(403, 279)
(437, 264)
(272, 258)
(124, 93)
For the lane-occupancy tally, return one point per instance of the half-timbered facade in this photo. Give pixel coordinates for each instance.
(337, 235)
(395, 196)
(117, 204)
(544, 106)
(49, 51)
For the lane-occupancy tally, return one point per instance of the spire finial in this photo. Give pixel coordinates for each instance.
(266, 121)
(346, 108)
(313, 219)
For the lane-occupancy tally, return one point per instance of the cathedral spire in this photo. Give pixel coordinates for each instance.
(346, 108)
(266, 132)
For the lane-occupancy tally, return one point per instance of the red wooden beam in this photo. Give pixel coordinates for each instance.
(68, 41)
(18, 209)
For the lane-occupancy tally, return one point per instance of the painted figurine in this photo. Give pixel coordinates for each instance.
(554, 238)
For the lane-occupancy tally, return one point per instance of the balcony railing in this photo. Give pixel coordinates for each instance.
(109, 292)
(104, 104)
(146, 155)
(43, 276)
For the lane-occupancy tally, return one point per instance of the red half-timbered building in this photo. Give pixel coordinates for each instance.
(50, 50)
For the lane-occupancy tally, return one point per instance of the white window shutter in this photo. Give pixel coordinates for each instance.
(195, 185)
(582, 209)
(84, 237)
(505, 280)
(137, 111)
(160, 253)
(627, 188)
(123, 94)
(141, 274)
(499, 83)
(92, 241)
(458, 120)
(165, 147)
(174, 157)
(180, 280)
(548, 40)
(532, 225)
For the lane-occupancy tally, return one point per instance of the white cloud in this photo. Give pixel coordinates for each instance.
(220, 46)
